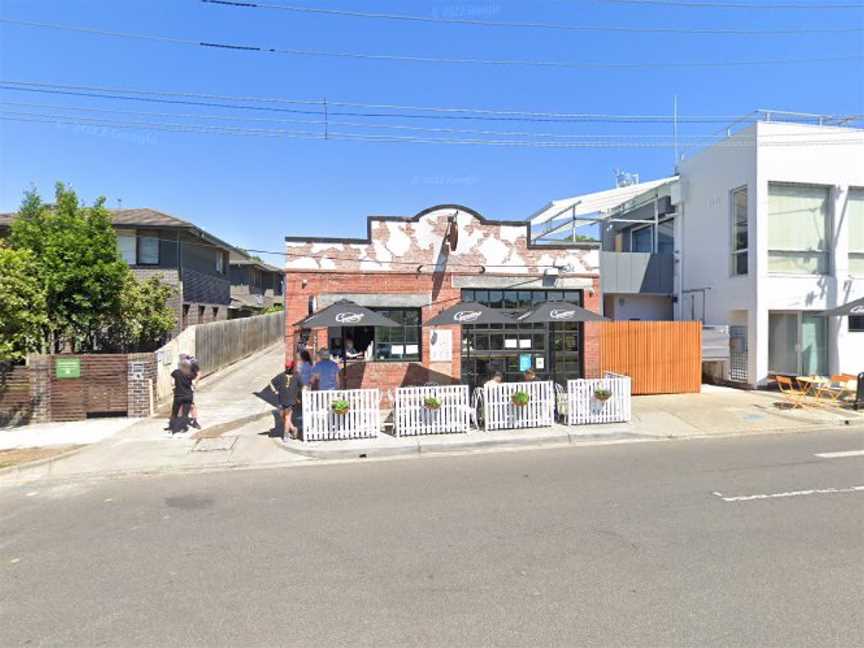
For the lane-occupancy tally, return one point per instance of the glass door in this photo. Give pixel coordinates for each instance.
(814, 345)
(797, 344)
(783, 343)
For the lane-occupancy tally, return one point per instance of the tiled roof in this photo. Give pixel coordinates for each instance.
(143, 217)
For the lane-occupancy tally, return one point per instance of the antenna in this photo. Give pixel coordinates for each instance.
(119, 203)
(675, 130)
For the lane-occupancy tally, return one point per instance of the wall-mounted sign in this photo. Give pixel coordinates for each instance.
(67, 368)
(441, 345)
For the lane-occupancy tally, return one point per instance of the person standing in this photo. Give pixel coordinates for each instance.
(289, 393)
(494, 379)
(325, 373)
(194, 371)
(305, 363)
(182, 403)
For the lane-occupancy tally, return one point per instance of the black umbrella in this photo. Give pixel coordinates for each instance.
(469, 313)
(344, 313)
(559, 311)
(852, 308)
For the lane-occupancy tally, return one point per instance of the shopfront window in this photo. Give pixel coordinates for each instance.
(554, 352)
(798, 223)
(381, 344)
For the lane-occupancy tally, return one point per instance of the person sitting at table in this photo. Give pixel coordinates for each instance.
(351, 353)
(494, 379)
(529, 375)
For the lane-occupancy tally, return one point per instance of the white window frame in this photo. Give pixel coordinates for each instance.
(220, 262)
(733, 230)
(129, 247)
(857, 254)
(829, 229)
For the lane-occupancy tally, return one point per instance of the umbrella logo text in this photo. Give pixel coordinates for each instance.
(562, 314)
(467, 316)
(349, 318)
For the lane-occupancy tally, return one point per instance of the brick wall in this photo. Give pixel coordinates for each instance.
(171, 278)
(140, 382)
(301, 285)
(16, 399)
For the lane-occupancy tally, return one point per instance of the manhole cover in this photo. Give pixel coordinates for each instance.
(216, 444)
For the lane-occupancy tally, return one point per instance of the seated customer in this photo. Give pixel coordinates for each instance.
(529, 375)
(494, 379)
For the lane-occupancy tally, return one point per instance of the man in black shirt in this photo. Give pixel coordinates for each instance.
(182, 403)
(289, 390)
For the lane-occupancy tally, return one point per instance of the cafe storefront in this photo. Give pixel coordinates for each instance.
(411, 268)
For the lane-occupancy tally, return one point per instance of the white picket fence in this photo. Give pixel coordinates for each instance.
(411, 417)
(361, 421)
(583, 407)
(499, 412)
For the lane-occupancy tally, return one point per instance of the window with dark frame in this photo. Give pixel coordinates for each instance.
(740, 236)
(856, 323)
(398, 344)
(148, 249)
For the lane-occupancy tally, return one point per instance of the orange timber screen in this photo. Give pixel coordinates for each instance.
(660, 357)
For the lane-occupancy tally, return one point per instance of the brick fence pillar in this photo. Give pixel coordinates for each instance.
(40, 387)
(141, 378)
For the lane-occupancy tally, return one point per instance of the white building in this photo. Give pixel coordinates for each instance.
(762, 232)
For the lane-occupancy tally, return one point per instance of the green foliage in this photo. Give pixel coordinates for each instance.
(602, 395)
(340, 406)
(432, 403)
(77, 264)
(22, 305)
(520, 398)
(146, 319)
(273, 308)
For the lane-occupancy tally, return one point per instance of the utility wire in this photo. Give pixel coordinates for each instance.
(398, 58)
(705, 137)
(113, 93)
(624, 142)
(223, 101)
(530, 25)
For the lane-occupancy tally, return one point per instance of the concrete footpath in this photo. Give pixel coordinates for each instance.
(238, 413)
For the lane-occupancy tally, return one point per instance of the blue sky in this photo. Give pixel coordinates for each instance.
(254, 191)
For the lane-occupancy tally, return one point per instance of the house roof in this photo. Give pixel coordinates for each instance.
(238, 260)
(146, 217)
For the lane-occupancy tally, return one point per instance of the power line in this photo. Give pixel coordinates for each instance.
(441, 112)
(697, 138)
(474, 22)
(599, 143)
(694, 4)
(398, 58)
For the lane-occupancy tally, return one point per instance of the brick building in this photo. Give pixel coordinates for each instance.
(411, 268)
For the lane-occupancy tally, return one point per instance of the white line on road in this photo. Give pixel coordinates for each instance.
(812, 491)
(838, 455)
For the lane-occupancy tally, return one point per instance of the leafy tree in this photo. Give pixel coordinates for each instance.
(22, 305)
(77, 264)
(146, 319)
(273, 308)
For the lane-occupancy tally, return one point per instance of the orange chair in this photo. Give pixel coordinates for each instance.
(795, 396)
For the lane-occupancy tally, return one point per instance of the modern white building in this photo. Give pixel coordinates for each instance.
(762, 232)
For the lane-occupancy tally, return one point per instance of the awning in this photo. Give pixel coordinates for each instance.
(852, 308)
(569, 209)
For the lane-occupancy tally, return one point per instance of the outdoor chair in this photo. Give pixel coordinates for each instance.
(793, 395)
(837, 389)
(477, 407)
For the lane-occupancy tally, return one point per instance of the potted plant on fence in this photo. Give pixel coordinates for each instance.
(520, 398)
(602, 394)
(432, 403)
(340, 406)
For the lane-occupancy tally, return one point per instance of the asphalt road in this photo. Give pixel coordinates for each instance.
(627, 545)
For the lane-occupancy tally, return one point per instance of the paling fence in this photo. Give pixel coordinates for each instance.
(321, 422)
(218, 344)
(500, 413)
(599, 400)
(415, 415)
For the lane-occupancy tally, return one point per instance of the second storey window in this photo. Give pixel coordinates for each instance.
(855, 218)
(148, 250)
(740, 236)
(798, 229)
(126, 241)
(220, 262)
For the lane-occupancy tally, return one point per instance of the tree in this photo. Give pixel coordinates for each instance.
(146, 320)
(77, 264)
(22, 305)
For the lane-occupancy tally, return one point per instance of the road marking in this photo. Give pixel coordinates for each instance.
(812, 491)
(837, 455)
